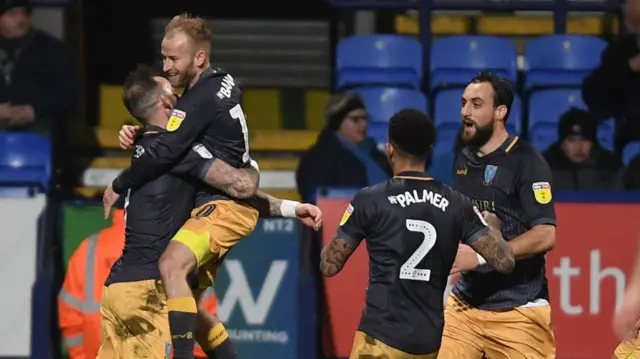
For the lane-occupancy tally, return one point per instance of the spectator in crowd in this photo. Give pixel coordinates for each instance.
(79, 305)
(38, 86)
(613, 89)
(441, 166)
(343, 155)
(577, 160)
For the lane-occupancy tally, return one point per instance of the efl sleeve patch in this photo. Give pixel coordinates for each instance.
(542, 192)
(346, 215)
(177, 116)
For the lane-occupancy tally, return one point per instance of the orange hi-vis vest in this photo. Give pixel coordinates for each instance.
(81, 293)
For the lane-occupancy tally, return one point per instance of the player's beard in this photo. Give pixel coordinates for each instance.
(481, 136)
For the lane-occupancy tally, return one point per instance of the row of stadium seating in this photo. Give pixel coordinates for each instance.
(395, 60)
(545, 108)
(517, 24)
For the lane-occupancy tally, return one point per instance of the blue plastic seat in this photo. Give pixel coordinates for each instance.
(546, 106)
(455, 60)
(563, 60)
(379, 132)
(25, 160)
(630, 151)
(446, 138)
(543, 135)
(606, 135)
(392, 60)
(384, 102)
(448, 105)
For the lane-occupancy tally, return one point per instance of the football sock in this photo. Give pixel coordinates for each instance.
(182, 325)
(219, 345)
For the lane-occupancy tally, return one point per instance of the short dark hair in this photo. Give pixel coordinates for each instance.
(502, 90)
(141, 91)
(413, 133)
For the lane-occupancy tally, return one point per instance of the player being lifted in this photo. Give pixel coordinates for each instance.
(490, 313)
(209, 111)
(413, 226)
(134, 314)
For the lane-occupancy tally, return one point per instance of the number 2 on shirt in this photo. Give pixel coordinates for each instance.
(237, 114)
(408, 269)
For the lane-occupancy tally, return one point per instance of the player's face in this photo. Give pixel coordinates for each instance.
(354, 126)
(178, 59)
(169, 98)
(15, 22)
(577, 149)
(478, 114)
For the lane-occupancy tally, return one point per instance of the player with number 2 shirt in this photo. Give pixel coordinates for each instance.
(413, 226)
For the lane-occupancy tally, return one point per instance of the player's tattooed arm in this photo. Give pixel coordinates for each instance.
(268, 205)
(237, 183)
(495, 251)
(334, 256)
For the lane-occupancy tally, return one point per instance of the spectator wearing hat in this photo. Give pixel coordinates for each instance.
(577, 160)
(343, 155)
(38, 85)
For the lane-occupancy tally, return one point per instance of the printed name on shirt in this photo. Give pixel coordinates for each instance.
(409, 198)
(227, 85)
(177, 116)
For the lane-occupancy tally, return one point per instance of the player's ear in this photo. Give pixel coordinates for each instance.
(167, 105)
(389, 150)
(201, 58)
(500, 112)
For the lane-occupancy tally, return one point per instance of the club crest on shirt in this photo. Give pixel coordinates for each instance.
(175, 120)
(346, 215)
(542, 192)
(490, 173)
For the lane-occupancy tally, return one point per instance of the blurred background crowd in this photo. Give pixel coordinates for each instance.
(320, 80)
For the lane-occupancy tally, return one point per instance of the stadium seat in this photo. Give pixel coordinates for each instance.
(561, 60)
(392, 60)
(457, 59)
(631, 150)
(447, 110)
(25, 160)
(446, 138)
(606, 135)
(378, 131)
(546, 106)
(543, 135)
(384, 102)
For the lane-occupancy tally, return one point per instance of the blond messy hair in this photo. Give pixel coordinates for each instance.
(193, 26)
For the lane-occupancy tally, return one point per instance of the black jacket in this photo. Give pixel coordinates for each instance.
(42, 76)
(328, 164)
(603, 171)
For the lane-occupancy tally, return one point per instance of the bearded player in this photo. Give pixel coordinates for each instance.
(488, 313)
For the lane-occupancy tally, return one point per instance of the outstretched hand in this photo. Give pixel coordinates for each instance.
(309, 215)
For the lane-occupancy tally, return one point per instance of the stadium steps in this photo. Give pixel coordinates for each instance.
(266, 164)
(266, 108)
(261, 141)
(96, 192)
(268, 53)
(507, 25)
